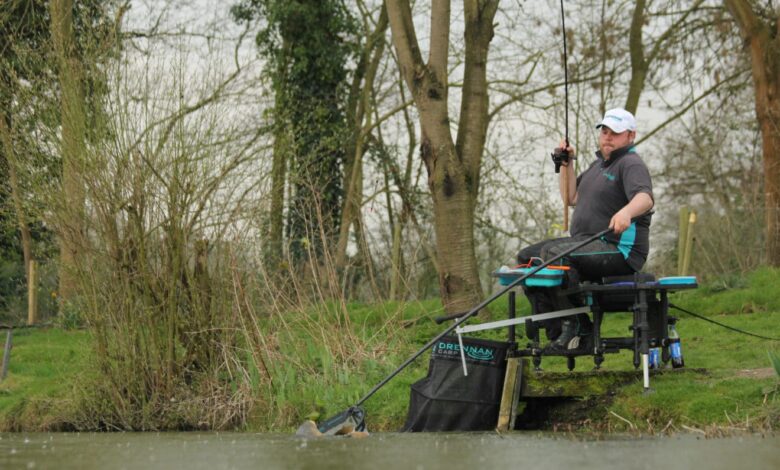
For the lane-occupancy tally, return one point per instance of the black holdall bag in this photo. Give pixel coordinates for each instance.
(446, 400)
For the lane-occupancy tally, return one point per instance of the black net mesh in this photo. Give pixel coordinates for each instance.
(446, 400)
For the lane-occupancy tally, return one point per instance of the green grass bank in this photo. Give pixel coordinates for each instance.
(322, 359)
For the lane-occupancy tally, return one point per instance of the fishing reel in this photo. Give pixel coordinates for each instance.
(559, 157)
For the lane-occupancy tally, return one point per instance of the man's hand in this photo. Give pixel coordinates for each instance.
(566, 149)
(562, 155)
(560, 158)
(639, 205)
(566, 146)
(620, 222)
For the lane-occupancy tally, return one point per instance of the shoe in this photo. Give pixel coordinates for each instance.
(568, 331)
(584, 325)
(581, 344)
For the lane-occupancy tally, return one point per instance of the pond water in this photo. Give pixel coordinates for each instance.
(193, 451)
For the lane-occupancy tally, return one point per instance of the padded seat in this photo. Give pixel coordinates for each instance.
(636, 277)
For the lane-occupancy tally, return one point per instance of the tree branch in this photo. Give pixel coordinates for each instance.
(405, 41)
(679, 114)
(676, 26)
(440, 40)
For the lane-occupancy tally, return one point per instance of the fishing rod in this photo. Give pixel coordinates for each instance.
(565, 79)
(562, 155)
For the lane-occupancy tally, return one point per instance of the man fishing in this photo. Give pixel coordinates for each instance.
(615, 189)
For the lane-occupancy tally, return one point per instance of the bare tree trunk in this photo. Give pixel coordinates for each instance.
(453, 167)
(396, 258)
(641, 61)
(278, 180)
(762, 40)
(637, 53)
(21, 217)
(403, 184)
(281, 157)
(407, 210)
(359, 111)
(73, 117)
(604, 54)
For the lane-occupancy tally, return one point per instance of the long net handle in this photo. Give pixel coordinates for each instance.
(566, 198)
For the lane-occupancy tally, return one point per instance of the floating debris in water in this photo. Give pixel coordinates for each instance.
(309, 429)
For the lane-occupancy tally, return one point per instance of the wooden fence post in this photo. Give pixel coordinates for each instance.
(32, 294)
(6, 354)
(688, 244)
(682, 237)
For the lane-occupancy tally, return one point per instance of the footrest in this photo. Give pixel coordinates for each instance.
(520, 320)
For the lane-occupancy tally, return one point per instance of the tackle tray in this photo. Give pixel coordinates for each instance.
(678, 281)
(546, 277)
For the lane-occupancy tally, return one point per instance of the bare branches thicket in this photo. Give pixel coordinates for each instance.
(712, 158)
(168, 188)
(759, 27)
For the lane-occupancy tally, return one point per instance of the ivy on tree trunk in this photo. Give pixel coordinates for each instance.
(305, 42)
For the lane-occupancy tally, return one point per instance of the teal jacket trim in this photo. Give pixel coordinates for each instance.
(627, 240)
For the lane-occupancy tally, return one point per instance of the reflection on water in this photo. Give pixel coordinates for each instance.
(406, 451)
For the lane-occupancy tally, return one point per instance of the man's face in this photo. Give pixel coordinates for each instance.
(610, 140)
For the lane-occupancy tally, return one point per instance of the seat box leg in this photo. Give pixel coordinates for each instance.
(598, 356)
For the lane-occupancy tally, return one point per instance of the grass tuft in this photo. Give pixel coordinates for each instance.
(774, 358)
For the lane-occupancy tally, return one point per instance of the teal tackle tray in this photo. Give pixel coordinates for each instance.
(543, 278)
(678, 281)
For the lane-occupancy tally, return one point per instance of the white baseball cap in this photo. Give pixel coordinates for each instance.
(619, 120)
